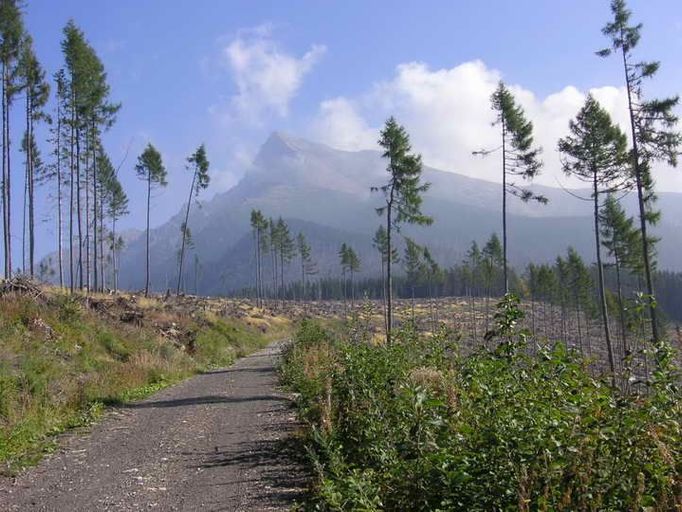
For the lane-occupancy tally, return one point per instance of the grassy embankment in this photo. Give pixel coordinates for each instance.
(63, 359)
(419, 426)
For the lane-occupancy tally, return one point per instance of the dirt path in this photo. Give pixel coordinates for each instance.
(217, 441)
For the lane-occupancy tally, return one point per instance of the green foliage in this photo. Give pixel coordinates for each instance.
(416, 426)
(404, 189)
(198, 163)
(521, 157)
(150, 167)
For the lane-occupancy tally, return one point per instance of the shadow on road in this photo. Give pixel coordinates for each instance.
(278, 461)
(202, 400)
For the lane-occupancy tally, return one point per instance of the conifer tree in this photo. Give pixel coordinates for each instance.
(520, 157)
(58, 153)
(344, 261)
(492, 259)
(402, 195)
(353, 268)
(308, 267)
(150, 168)
(652, 127)
(412, 262)
(117, 206)
(273, 237)
(620, 237)
(259, 225)
(580, 283)
(285, 248)
(36, 91)
(198, 164)
(11, 38)
(596, 152)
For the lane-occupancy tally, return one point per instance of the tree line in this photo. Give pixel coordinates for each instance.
(89, 196)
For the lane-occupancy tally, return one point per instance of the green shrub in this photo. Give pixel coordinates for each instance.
(415, 426)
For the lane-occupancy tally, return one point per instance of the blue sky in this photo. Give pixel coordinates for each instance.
(229, 73)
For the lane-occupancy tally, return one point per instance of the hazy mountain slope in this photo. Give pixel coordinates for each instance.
(326, 193)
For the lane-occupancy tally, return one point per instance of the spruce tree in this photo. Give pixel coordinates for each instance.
(58, 137)
(150, 168)
(259, 226)
(344, 261)
(620, 238)
(412, 263)
(11, 38)
(198, 164)
(353, 268)
(285, 248)
(308, 267)
(36, 91)
(402, 195)
(520, 157)
(596, 152)
(116, 207)
(652, 127)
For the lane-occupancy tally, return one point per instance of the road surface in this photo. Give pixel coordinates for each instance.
(218, 441)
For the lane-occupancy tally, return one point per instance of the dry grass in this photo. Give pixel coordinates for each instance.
(63, 357)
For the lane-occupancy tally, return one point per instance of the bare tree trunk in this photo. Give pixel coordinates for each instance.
(60, 250)
(72, 178)
(5, 150)
(149, 198)
(641, 204)
(389, 277)
(7, 176)
(504, 208)
(602, 291)
(78, 207)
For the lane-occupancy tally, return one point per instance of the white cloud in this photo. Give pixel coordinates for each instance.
(266, 77)
(447, 113)
(340, 122)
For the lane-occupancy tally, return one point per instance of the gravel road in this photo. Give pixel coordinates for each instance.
(218, 441)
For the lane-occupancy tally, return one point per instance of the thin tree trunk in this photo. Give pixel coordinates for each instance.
(79, 215)
(86, 171)
(72, 178)
(389, 277)
(602, 291)
(4, 169)
(641, 205)
(8, 185)
(504, 207)
(114, 260)
(626, 349)
(149, 198)
(60, 250)
(184, 233)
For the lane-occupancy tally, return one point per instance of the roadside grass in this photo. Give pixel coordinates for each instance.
(61, 363)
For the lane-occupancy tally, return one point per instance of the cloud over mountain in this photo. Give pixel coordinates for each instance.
(447, 113)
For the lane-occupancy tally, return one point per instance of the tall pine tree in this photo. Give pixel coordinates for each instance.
(596, 152)
(652, 127)
(402, 195)
(150, 169)
(198, 164)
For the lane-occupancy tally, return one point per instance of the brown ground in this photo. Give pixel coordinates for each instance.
(218, 441)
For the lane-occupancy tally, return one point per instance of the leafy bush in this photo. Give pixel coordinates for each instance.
(417, 426)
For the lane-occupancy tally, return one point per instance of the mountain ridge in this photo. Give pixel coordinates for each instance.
(311, 184)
